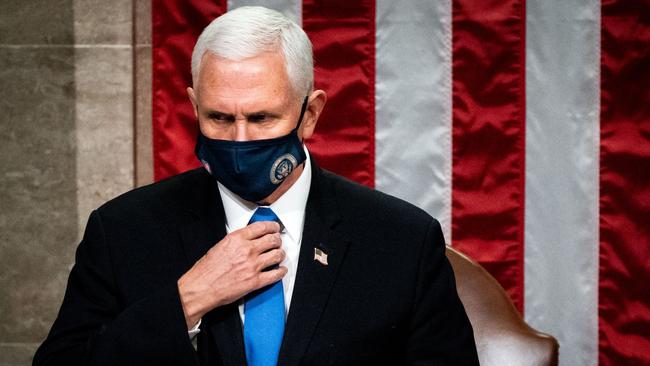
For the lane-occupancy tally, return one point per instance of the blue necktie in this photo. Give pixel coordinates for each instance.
(264, 314)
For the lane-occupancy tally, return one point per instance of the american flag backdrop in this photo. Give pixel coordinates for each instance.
(523, 126)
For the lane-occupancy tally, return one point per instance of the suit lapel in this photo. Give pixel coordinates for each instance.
(200, 233)
(224, 324)
(314, 280)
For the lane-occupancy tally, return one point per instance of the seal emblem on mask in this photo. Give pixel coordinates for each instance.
(282, 167)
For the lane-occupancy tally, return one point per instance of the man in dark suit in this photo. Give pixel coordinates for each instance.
(259, 257)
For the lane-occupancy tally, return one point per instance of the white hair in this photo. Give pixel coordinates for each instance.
(250, 30)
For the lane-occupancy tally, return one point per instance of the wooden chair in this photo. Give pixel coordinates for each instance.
(502, 336)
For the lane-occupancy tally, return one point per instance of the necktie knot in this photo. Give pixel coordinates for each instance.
(264, 214)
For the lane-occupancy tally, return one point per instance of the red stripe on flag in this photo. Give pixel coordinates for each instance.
(488, 136)
(175, 28)
(624, 289)
(343, 35)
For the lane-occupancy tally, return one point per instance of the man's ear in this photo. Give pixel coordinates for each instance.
(194, 100)
(315, 105)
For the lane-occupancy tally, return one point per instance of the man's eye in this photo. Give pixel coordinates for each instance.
(258, 118)
(219, 117)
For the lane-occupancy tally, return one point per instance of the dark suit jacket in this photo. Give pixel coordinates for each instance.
(387, 296)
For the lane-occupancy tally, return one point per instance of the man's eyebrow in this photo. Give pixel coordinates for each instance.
(262, 112)
(213, 112)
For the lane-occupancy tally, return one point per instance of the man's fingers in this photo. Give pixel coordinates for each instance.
(260, 228)
(267, 242)
(272, 276)
(270, 258)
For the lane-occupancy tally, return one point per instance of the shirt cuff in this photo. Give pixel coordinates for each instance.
(195, 330)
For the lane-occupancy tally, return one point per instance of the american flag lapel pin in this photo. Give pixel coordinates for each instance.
(320, 256)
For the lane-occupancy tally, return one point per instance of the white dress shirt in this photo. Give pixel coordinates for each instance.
(290, 209)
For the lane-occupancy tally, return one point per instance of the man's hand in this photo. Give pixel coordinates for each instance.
(231, 269)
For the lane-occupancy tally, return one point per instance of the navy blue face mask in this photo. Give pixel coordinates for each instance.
(252, 169)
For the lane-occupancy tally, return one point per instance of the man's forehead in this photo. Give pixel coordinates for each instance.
(265, 64)
(254, 84)
(259, 81)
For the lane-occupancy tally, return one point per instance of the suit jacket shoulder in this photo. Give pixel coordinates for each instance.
(190, 191)
(121, 304)
(365, 209)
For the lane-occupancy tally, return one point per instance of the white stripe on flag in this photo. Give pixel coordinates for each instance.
(413, 104)
(562, 137)
(292, 9)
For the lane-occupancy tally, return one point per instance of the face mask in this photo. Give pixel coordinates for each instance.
(252, 169)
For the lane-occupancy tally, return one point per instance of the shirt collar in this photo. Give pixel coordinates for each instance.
(290, 207)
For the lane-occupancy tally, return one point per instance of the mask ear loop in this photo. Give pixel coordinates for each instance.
(303, 109)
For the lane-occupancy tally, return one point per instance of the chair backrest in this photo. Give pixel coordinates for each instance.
(502, 336)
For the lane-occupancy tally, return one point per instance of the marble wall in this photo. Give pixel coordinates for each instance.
(75, 131)
(143, 126)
